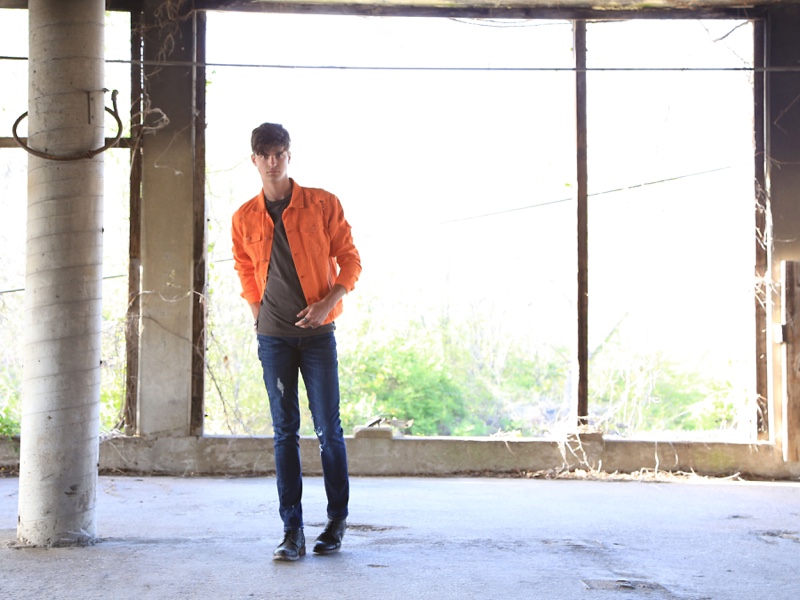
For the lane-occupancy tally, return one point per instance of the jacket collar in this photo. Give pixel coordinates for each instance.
(297, 201)
(298, 197)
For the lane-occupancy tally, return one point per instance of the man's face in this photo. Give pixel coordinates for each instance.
(273, 163)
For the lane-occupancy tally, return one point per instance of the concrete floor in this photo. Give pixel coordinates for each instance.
(459, 538)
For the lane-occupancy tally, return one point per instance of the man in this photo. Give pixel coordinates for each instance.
(296, 260)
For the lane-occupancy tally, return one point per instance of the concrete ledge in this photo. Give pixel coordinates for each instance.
(380, 453)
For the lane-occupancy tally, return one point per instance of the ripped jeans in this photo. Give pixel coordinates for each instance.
(314, 357)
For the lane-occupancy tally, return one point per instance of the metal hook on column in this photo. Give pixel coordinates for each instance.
(90, 153)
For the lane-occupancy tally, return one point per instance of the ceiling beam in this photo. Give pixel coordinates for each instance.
(520, 9)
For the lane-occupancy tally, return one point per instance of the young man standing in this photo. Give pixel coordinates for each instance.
(296, 260)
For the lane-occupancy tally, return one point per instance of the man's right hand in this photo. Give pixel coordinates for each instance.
(255, 307)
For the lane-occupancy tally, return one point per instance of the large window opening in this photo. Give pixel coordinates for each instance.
(671, 228)
(455, 163)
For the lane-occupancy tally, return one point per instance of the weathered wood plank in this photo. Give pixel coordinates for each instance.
(200, 246)
(135, 234)
(790, 279)
(762, 416)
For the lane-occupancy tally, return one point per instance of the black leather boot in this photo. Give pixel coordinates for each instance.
(292, 547)
(330, 540)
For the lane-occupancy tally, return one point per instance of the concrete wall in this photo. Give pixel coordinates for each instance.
(167, 229)
(377, 452)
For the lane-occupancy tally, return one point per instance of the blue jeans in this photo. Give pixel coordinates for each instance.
(315, 358)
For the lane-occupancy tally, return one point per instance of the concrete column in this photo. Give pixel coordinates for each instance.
(783, 177)
(167, 228)
(61, 386)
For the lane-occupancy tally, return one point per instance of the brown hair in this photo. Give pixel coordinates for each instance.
(269, 136)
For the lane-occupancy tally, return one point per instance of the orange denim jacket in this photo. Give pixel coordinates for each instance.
(319, 237)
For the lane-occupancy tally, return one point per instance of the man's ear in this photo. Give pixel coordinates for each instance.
(253, 159)
(289, 157)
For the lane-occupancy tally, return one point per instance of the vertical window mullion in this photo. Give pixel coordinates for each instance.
(583, 259)
(761, 263)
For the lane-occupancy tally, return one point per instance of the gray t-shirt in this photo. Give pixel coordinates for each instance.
(283, 296)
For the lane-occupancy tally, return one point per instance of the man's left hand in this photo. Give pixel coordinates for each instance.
(314, 315)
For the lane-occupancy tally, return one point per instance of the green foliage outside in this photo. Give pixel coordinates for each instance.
(449, 379)
(449, 383)
(446, 393)
(632, 393)
(453, 379)
(408, 381)
(113, 368)
(9, 424)
(10, 363)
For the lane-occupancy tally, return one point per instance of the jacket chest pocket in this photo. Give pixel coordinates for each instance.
(315, 237)
(254, 239)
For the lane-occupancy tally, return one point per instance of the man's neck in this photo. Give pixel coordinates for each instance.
(277, 190)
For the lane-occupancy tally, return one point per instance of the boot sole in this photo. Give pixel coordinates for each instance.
(283, 557)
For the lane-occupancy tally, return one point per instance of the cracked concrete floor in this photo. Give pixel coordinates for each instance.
(452, 538)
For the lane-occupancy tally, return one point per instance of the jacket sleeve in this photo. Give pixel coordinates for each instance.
(243, 262)
(343, 250)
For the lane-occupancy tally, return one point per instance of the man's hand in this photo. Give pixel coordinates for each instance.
(314, 315)
(255, 307)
